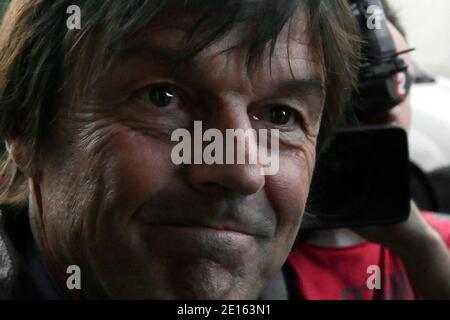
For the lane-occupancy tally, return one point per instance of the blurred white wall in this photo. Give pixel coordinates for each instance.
(427, 23)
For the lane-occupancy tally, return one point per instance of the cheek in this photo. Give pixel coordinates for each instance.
(407, 115)
(99, 183)
(139, 168)
(402, 114)
(288, 191)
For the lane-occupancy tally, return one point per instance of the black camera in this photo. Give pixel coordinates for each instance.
(362, 180)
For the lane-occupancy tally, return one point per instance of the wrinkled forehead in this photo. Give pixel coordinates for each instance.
(171, 35)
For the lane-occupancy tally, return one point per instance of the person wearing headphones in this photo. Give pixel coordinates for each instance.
(409, 260)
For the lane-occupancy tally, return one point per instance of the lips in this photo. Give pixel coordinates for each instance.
(225, 227)
(244, 222)
(187, 231)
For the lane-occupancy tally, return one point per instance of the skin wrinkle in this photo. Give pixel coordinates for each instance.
(95, 127)
(63, 224)
(89, 180)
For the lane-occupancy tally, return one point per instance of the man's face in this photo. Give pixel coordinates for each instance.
(140, 226)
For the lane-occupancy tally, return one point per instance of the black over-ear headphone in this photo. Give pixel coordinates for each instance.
(384, 81)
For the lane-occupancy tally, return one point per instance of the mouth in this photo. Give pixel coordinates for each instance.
(202, 221)
(221, 217)
(200, 237)
(222, 228)
(190, 243)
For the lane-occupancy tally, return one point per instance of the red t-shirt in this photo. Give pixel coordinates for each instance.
(341, 273)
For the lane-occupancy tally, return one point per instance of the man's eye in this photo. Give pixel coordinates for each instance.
(161, 95)
(282, 116)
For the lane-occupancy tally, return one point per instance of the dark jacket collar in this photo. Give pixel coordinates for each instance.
(23, 273)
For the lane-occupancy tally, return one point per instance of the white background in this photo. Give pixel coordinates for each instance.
(427, 23)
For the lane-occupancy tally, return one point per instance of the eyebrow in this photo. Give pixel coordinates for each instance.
(300, 86)
(163, 53)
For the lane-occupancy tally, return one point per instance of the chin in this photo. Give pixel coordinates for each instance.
(208, 280)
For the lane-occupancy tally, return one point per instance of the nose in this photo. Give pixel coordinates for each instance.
(242, 179)
(230, 178)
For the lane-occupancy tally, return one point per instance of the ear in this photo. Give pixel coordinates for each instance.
(22, 156)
